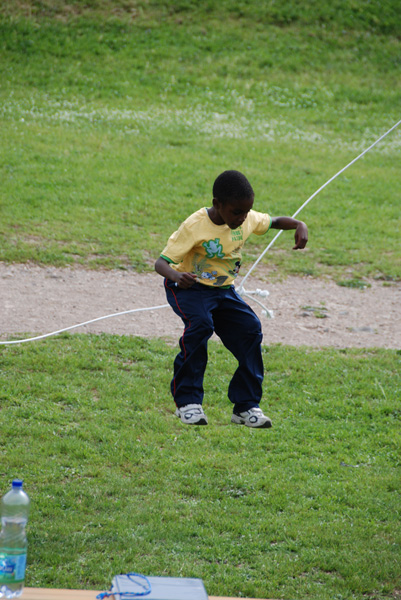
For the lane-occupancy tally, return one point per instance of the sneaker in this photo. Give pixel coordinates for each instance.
(253, 417)
(192, 414)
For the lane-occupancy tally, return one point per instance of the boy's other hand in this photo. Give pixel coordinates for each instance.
(185, 280)
(301, 236)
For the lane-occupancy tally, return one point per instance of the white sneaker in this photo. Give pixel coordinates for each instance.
(192, 414)
(253, 417)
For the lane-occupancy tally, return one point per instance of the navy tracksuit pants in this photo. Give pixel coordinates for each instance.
(204, 310)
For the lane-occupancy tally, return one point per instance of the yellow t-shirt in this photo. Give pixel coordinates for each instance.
(212, 252)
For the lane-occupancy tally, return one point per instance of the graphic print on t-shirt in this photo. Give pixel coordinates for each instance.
(213, 248)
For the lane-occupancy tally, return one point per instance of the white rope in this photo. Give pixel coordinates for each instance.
(46, 335)
(241, 290)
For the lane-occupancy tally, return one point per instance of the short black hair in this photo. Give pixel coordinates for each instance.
(231, 186)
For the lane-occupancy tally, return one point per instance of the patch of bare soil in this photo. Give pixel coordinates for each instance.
(311, 312)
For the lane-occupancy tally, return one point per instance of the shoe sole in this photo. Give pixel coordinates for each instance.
(240, 421)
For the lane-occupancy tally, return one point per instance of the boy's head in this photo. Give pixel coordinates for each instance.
(231, 186)
(232, 198)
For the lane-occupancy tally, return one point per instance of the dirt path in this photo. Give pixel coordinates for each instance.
(311, 312)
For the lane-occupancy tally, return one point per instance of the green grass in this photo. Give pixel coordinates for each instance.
(308, 509)
(378, 17)
(114, 128)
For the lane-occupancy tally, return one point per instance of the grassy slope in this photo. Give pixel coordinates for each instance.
(115, 128)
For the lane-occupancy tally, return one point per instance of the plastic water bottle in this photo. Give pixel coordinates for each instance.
(13, 542)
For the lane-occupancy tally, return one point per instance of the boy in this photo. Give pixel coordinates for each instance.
(199, 264)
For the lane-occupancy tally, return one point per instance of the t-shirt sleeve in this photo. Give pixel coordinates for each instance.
(179, 245)
(262, 223)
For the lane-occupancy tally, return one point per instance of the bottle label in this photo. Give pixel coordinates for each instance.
(12, 568)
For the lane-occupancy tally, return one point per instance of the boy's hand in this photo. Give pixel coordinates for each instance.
(301, 236)
(185, 280)
(301, 230)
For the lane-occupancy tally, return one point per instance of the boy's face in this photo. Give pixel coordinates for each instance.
(233, 213)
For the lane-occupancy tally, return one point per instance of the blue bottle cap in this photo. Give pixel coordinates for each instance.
(17, 483)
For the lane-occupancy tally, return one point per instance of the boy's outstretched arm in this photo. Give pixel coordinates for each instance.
(301, 230)
(183, 280)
